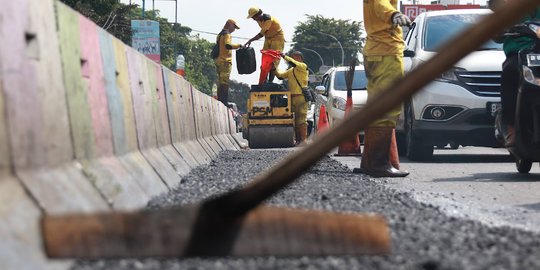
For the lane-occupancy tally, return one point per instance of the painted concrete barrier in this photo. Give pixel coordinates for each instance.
(88, 124)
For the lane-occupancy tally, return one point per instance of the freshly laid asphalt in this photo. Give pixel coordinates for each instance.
(423, 237)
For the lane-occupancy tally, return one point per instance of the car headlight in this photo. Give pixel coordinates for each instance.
(450, 75)
(536, 29)
(339, 103)
(529, 77)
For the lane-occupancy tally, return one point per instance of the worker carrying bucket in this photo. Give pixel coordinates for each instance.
(223, 59)
(274, 39)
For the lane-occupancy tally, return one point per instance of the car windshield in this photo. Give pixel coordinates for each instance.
(440, 29)
(359, 81)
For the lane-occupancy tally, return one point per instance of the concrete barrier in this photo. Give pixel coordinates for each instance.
(181, 119)
(203, 118)
(161, 120)
(89, 115)
(219, 122)
(87, 124)
(201, 124)
(145, 109)
(124, 129)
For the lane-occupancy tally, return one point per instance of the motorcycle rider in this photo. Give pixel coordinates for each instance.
(510, 72)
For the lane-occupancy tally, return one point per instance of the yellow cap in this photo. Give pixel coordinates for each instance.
(233, 22)
(252, 11)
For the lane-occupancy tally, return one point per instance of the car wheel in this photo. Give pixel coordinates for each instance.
(523, 165)
(416, 150)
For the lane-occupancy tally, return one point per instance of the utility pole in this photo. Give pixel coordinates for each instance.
(320, 57)
(143, 9)
(339, 43)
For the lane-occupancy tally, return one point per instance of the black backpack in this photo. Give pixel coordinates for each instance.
(215, 49)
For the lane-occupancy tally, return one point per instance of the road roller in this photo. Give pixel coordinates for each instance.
(270, 120)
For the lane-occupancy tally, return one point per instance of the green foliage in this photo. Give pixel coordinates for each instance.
(110, 15)
(307, 35)
(175, 39)
(239, 94)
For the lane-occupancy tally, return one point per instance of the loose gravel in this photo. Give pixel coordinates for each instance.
(423, 237)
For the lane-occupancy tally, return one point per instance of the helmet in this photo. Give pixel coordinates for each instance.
(253, 11)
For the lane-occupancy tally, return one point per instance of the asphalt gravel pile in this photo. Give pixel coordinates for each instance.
(422, 236)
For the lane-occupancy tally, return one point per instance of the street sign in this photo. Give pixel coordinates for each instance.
(145, 38)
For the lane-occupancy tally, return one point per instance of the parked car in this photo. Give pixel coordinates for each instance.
(333, 93)
(455, 108)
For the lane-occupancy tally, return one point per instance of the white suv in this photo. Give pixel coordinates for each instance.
(455, 108)
(333, 93)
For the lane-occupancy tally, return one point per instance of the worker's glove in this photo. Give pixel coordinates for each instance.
(400, 19)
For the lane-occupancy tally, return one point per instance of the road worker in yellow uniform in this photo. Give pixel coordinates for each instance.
(224, 60)
(274, 39)
(297, 76)
(383, 61)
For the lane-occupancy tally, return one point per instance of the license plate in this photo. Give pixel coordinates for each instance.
(492, 107)
(533, 60)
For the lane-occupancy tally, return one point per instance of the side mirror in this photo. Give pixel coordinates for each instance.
(320, 89)
(409, 53)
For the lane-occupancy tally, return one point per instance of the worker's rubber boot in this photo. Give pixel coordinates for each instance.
(394, 155)
(300, 133)
(223, 94)
(376, 156)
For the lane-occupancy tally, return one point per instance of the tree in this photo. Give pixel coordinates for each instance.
(175, 39)
(112, 16)
(312, 35)
(239, 94)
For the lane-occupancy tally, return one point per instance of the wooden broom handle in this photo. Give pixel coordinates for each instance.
(285, 172)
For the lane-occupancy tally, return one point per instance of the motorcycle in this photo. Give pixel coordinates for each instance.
(526, 148)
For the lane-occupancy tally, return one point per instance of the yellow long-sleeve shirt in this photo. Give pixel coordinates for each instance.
(270, 28)
(224, 39)
(300, 70)
(383, 38)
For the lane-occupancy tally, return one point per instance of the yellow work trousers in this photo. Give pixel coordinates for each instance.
(381, 72)
(223, 69)
(276, 43)
(299, 107)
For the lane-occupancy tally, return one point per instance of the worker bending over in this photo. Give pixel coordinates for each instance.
(274, 39)
(224, 60)
(297, 75)
(383, 61)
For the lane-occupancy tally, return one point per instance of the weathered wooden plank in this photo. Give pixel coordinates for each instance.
(192, 231)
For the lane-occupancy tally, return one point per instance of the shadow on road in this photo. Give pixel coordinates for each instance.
(464, 158)
(495, 177)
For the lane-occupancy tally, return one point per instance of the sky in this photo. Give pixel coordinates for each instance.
(210, 16)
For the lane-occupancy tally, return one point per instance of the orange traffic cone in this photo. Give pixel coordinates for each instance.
(322, 125)
(350, 147)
